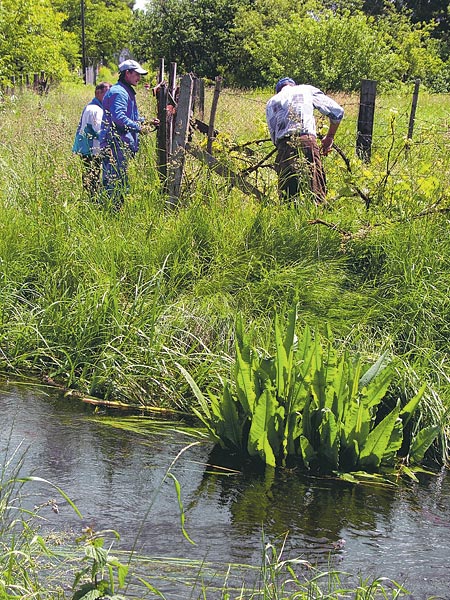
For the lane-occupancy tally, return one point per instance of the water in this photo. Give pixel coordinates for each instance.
(118, 480)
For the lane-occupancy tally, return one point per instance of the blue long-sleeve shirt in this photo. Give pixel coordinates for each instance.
(121, 121)
(292, 111)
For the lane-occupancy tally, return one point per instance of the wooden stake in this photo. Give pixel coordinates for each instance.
(180, 136)
(212, 117)
(365, 119)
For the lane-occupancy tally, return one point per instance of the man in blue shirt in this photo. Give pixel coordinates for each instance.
(121, 125)
(292, 127)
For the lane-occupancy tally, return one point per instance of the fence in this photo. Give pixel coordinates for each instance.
(39, 82)
(181, 111)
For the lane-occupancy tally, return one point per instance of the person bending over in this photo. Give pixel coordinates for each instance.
(292, 127)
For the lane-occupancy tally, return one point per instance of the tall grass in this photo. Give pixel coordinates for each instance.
(108, 303)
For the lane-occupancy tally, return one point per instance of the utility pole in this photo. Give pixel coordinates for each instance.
(83, 42)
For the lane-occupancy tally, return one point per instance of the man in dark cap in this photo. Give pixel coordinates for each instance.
(121, 126)
(292, 127)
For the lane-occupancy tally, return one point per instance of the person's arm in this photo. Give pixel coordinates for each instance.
(119, 116)
(327, 141)
(331, 109)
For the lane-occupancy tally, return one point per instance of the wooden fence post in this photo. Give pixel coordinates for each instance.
(161, 73)
(412, 116)
(161, 136)
(172, 101)
(181, 132)
(365, 119)
(199, 98)
(212, 116)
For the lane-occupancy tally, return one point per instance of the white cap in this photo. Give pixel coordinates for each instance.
(132, 65)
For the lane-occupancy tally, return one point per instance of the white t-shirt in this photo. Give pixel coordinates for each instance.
(93, 115)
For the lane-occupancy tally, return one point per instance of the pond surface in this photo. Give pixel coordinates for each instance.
(117, 479)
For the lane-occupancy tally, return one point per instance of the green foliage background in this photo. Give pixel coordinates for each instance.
(332, 45)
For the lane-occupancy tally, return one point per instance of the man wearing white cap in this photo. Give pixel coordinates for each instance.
(121, 125)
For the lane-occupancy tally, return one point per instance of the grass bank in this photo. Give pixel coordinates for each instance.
(108, 303)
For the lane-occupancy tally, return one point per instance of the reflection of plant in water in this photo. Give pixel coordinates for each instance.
(307, 405)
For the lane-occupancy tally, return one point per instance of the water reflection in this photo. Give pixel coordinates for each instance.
(117, 480)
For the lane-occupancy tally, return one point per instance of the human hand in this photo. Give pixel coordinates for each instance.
(149, 126)
(327, 144)
(170, 110)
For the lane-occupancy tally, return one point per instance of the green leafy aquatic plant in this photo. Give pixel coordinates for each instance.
(308, 404)
(100, 568)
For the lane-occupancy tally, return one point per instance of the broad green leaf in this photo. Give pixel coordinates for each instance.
(305, 352)
(394, 445)
(307, 451)
(122, 572)
(377, 388)
(422, 442)
(356, 425)
(290, 331)
(293, 431)
(408, 410)
(318, 377)
(374, 370)
(356, 379)
(245, 387)
(340, 385)
(373, 450)
(307, 428)
(231, 426)
(260, 430)
(409, 473)
(283, 369)
(329, 439)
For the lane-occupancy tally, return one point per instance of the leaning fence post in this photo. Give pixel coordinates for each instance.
(181, 132)
(212, 116)
(366, 118)
(412, 116)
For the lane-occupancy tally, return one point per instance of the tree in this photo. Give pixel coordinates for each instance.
(334, 49)
(32, 40)
(107, 26)
(194, 33)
